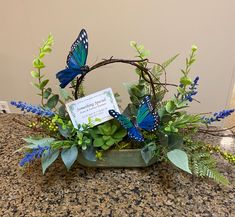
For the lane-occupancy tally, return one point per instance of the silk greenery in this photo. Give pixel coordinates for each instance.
(173, 141)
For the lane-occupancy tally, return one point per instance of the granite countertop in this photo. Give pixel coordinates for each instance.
(159, 190)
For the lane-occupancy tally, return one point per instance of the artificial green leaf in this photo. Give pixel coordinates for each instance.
(52, 102)
(39, 142)
(161, 112)
(105, 138)
(65, 132)
(62, 111)
(47, 93)
(163, 139)
(140, 47)
(175, 140)
(110, 142)
(180, 159)
(62, 144)
(171, 128)
(64, 94)
(160, 68)
(36, 85)
(113, 129)
(120, 134)
(98, 142)
(43, 84)
(69, 156)
(133, 43)
(47, 49)
(35, 74)
(48, 157)
(89, 153)
(37, 63)
(148, 152)
(185, 81)
(42, 54)
(145, 53)
(170, 107)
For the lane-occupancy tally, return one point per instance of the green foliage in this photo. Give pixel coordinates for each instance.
(52, 101)
(148, 152)
(142, 53)
(172, 140)
(136, 93)
(202, 163)
(38, 64)
(48, 157)
(158, 69)
(224, 154)
(180, 159)
(182, 121)
(69, 156)
(185, 80)
(107, 134)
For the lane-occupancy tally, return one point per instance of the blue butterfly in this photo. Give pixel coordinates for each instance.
(147, 119)
(76, 60)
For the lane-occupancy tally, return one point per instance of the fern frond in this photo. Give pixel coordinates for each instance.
(203, 164)
(206, 168)
(160, 68)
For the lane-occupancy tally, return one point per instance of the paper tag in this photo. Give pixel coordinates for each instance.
(93, 106)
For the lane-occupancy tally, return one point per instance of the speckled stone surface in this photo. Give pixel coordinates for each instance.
(160, 190)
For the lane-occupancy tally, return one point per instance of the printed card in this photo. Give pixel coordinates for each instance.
(93, 106)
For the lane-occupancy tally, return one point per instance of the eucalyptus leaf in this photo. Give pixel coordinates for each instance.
(43, 84)
(175, 141)
(64, 94)
(39, 142)
(48, 157)
(64, 132)
(62, 111)
(52, 101)
(180, 159)
(89, 153)
(69, 156)
(148, 151)
(47, 93)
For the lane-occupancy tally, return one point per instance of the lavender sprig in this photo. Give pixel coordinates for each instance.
(218, 116)
(33, 108)
(193, 90)
(36, 153)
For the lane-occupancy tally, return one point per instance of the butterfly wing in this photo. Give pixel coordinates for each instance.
(147, 119)
(132, 131)
(67, 75)
(75, 60)
(79, 50)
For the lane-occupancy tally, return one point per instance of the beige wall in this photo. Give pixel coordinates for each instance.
(165, 27)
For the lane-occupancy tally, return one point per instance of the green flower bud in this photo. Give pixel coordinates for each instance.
(194, 48)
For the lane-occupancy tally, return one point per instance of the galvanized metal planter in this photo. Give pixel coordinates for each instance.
(118, 158)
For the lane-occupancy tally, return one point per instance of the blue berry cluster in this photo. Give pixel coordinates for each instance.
(33, 108)
(193, 90)
(36, 153)
(218, 116)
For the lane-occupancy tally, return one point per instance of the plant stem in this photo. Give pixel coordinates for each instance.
(42, 90)
(144, 72)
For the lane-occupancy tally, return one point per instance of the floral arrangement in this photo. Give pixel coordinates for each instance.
(162, 129)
